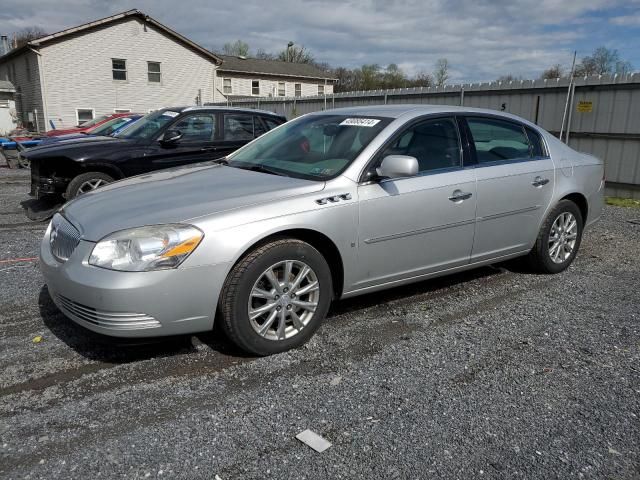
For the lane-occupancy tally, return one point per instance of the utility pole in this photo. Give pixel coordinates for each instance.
(566, 105)
(289, 45)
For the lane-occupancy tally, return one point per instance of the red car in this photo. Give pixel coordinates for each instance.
(99, 120)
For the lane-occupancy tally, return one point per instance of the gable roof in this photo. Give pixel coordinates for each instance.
(108, 20)
(278, 68)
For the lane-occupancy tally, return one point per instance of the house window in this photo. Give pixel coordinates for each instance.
(320, 89)
(153, 71)
(27, 66)
(281, 89)
(255, 87)
(84, 115)
(226, 85)
(119, 68)
(298, 89)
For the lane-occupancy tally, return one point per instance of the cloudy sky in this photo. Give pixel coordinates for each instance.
(482, 39)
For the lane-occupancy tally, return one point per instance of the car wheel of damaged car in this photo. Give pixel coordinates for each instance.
(87, 182)
(276, 296)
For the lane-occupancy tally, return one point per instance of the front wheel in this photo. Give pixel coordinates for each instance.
(558, 240)
(86, 182)
(275, 298)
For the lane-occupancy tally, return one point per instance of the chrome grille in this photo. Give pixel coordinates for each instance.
(63, 238)
(111, 320)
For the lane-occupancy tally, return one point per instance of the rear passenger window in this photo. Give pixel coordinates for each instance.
(271, 124)
(498, 140)
(536, 143)
(238, 127)
(258, 127)
(433, 142)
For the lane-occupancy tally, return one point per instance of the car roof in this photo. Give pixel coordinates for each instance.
(219, 108)
(415, 110)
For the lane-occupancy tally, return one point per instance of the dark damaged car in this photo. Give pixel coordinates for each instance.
(166, 138)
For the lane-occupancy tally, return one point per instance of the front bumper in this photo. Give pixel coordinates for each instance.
(132, 304)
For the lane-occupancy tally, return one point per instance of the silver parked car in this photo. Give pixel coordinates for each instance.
(330, 205)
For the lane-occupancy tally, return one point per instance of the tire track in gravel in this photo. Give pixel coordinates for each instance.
(377, 340)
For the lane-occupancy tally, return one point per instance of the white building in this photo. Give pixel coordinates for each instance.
(8, 117)
(252, 77)
(127, 62)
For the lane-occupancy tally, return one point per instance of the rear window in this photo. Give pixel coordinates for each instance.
(498, 140)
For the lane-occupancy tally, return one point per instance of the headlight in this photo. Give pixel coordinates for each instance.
(142, 249)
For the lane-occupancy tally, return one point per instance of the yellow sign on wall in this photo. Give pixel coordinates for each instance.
(585, 106)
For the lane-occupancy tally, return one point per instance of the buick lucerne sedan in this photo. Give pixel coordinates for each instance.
(330, 205)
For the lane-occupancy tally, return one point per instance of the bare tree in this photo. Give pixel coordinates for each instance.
(27, 34)
(603, 61)
(441, 73)
(509, 77)
(556, 71)
(237, 48)
(623, 67)
(262, 54)
(295, 54)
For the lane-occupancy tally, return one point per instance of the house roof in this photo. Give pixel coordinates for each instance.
(7, 86)
(111, 19)
(234, 64)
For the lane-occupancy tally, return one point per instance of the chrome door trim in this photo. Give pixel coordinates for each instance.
(510, 212)
(417, 232)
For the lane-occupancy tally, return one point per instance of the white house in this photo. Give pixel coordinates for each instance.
(247, 77)
(130, 62)
(8, 117)
(126, 62)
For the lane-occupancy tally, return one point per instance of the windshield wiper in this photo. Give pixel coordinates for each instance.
(260, 168)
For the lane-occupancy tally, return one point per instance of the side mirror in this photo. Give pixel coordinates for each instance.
(394, 166)
(171, 136)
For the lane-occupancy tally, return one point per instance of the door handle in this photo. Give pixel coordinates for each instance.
(459, 196)
(539, 181)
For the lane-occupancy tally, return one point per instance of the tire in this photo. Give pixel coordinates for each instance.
(80, 184)
(248, 288)
(546, 257)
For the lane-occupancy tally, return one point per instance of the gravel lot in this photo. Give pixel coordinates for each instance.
(493, 373)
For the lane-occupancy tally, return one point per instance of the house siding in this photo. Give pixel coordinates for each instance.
(28, 96)
(78, 72)
(241, 85)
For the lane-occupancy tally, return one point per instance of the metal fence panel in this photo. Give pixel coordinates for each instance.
(605, 113)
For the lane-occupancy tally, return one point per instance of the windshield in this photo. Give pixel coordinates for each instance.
(89, 123)
(315, 147)
(148, 125)
(109, 126)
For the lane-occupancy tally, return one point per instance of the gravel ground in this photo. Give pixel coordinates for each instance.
(494, 373)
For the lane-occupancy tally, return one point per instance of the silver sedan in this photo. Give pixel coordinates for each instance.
(330, 205)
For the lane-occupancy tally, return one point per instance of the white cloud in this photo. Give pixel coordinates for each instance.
(482, 39)
(627, 20)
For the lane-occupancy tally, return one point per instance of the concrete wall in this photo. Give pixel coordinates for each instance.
(78, 72)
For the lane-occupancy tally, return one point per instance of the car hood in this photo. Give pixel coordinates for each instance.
(78, 147)
(177, 195)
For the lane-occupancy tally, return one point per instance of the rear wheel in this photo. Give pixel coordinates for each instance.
(276, 297)
(558, 240)
(86, 182)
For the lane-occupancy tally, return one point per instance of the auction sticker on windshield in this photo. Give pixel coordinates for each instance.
(171, 114)
(360, 122)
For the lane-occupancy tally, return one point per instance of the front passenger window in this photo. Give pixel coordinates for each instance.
(196, 128)
(434, 143)
(498, 140)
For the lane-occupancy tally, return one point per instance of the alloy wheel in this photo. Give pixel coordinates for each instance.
(91, 185)
(283, 300)
(562, 237)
